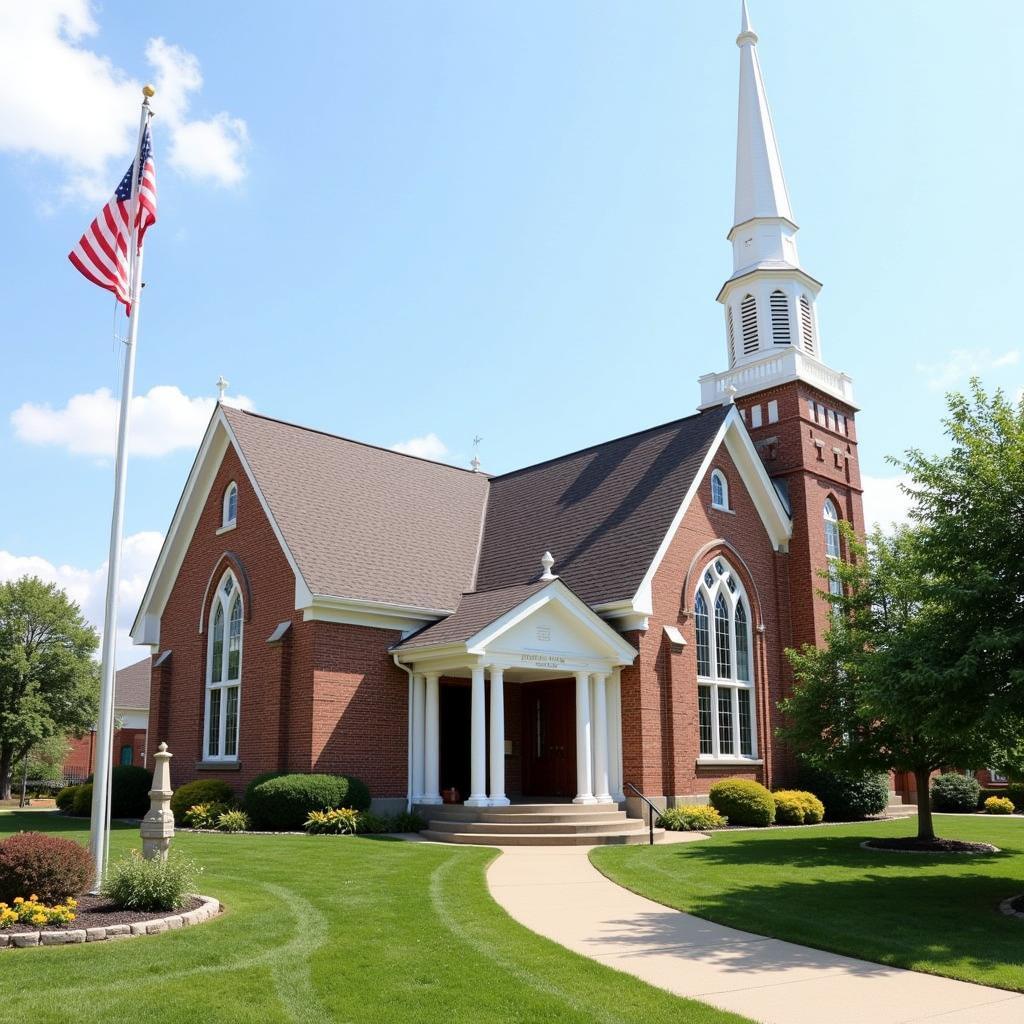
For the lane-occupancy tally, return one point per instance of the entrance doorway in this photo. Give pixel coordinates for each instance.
(549, 739)
(454, 715)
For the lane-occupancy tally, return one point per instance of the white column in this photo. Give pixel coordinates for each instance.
(418, 710)
(584, 792)
(478, 742)
(614, 698)
(432, 744)
(601, 794)
(497, 797)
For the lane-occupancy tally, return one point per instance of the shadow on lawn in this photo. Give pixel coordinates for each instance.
(15, 820)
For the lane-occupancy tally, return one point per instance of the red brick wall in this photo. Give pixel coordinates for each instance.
(660, 733)
(80, 757)
(178, 688)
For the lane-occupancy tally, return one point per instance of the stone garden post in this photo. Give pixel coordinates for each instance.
(158, 824)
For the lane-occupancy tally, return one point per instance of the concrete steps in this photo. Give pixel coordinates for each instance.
(534, 825)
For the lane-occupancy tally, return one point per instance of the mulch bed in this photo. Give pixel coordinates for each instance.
(98, 912)
(909, 845)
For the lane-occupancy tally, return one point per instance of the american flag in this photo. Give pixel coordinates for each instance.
(102, 252)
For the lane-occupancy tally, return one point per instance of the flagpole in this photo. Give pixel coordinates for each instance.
(99, 827)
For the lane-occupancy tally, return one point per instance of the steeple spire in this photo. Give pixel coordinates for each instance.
(760, 183)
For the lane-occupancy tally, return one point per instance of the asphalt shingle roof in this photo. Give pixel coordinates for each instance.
(131, 685)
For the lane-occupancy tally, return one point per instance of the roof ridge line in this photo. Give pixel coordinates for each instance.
(602, 444)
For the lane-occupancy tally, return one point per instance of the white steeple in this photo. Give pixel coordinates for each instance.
(769, 301)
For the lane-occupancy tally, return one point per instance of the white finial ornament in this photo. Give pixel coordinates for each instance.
(222, 386)
(730, 395)
(547, 562)
(475, 461)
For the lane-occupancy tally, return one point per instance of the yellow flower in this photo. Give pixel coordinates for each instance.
(19, 899)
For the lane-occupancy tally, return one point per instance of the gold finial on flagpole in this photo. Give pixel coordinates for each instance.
(148, 91)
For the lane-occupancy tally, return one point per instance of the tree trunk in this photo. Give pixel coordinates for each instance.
(925, 827)
(5, 774)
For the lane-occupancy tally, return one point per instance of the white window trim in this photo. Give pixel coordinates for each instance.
(227, 520)
(733, 685)
(830, 517)
(224, 603)
(717, 474)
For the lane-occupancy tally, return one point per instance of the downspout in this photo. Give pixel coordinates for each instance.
(408, 736)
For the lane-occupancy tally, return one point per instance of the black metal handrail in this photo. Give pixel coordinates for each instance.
(651, 811)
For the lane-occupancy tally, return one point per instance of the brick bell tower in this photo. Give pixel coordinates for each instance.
(799, 412)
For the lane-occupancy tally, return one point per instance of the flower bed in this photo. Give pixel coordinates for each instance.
(97, 920)
(911, 845)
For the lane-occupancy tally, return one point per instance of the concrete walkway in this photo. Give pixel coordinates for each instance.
(556, 892)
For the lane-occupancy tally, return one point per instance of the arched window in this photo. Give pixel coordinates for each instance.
(719, 490)
(732, 337)
(223, 673)
(807, 323)
(833, 549)
(725, 679)
(748, 324)
(229, 515)
(779, 306)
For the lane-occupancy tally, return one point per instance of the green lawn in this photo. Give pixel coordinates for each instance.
(328, 929)
(817, 886)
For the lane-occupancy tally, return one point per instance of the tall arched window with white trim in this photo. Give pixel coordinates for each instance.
(807, 323)
(223, 673)
(748, 323)
(778, 305)
(833, 548)
(719, 489)
(725, 677)
(229, 512)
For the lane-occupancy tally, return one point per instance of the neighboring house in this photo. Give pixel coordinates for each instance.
(321, 604)
(131, 722)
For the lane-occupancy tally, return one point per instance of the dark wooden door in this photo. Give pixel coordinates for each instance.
(549, 739)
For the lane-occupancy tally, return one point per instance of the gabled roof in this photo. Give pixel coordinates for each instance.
(475, 611)
(365, 523)
(131, 686)
(602, 512)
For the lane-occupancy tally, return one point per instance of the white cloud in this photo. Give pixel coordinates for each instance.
(430, 446)
(163, 420)
(885, 502)
(88, 586)
(62, 101)
(963, 363)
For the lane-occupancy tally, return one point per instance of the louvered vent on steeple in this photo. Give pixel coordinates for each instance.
(732, 338)
(807, 322)
(780, 318)
(748, 323)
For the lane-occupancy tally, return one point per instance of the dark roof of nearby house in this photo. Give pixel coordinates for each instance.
(131, 685)
(601, 512)
(363, 522)
(366, 523)
(475, 611)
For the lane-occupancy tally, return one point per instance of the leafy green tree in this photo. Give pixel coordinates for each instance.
(970, 506)
(866, 699)
(49, 682)
(44, 760)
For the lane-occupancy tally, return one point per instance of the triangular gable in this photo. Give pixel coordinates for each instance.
(733, 434)
(216, 441)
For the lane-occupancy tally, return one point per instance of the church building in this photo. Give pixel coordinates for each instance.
(604, 624)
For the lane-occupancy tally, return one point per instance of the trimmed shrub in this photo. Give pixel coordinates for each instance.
(691, 818)
(81, 802)
(66, 798)
(233, 821)
(797, 807)
(50, 867)
(134, 883)
(370, 824)
(409, 821)
(999, 805)
(258, 781)
(341, 821)
(955, 794)
(285, 801)
(202, 791)
(1015, 792)
(203, 815)
(847, 796)
(743, 802)
(129, 791)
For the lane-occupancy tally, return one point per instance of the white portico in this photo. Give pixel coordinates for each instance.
(541, 638)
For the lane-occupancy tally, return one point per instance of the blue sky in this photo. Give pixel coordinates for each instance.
(397, 220)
